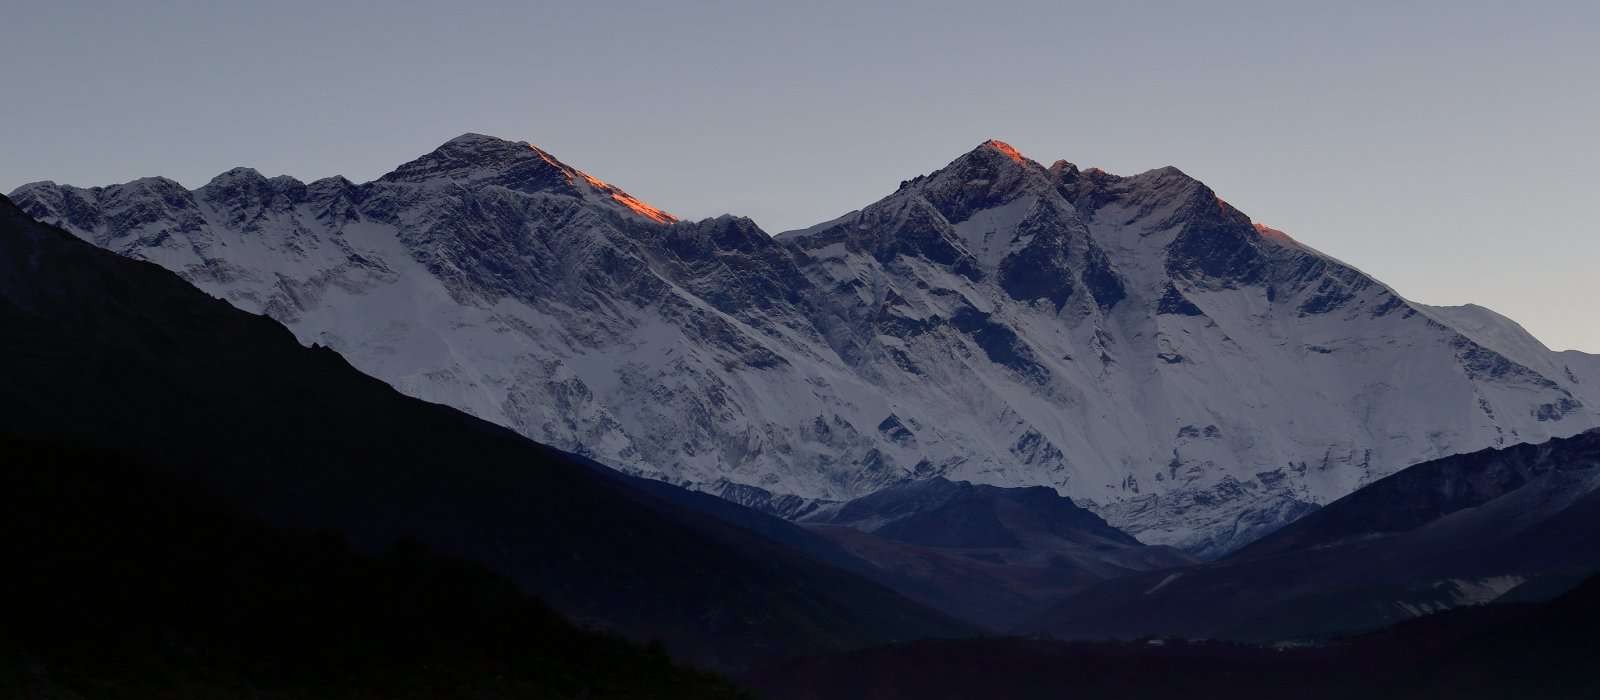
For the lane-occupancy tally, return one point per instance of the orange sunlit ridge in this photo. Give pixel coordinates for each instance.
(1270, 232)
(634, 204)
(1005, 148)
(1263, 229)
(638, 206)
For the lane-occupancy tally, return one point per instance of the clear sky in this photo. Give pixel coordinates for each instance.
(1451, 149)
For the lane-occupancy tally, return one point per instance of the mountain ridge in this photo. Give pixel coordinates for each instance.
(1133, 342)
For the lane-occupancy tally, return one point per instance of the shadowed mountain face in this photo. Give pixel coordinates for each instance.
(1133, 342)
(1498, 651)
(1509, 524)
(988, 554)
(115, 353)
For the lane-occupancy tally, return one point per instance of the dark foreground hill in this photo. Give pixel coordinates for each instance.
(1499, 651)
(123, 583)
(103, 351)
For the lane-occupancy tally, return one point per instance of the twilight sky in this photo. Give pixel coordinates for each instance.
(1451, 149)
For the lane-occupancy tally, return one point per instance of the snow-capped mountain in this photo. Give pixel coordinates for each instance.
(1134, 342)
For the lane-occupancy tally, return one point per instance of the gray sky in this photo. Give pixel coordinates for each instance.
(1451, 149)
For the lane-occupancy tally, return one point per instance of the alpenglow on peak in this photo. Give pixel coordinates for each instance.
(473, 158)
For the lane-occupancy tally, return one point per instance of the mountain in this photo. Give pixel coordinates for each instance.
(122, 355)
(1135, 343)
(127, 583)
(1515, 523)
(1496, 651)
(987, 554)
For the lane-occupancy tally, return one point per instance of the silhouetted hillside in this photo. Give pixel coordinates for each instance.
(123, 583)
(1501, 651)
(113, 353)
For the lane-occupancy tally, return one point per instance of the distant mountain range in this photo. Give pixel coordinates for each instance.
(1135, 343)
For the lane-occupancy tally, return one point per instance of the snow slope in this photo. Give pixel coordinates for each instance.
(1133, 342)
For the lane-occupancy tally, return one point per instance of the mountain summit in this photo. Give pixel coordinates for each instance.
(1135, 343)
(475, 160)
(1004, 148)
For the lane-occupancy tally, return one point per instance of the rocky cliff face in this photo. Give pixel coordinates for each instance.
(1133, 342)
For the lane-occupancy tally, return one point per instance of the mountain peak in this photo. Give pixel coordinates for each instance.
(470, 157)
(477, 159)
(235, 178)
(995, 152)
(491, 150)
(473, 139)
(1004, 149)
(987, 176)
